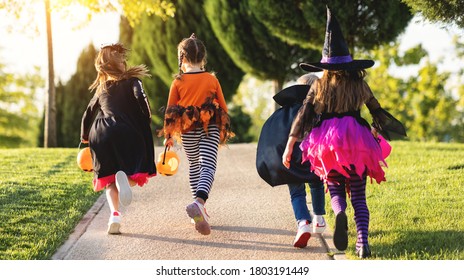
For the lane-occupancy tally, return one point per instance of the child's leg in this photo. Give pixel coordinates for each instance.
(112, 196)
(298, 199)
(361, 212)
(301, 211)
(318, 201)
(336, 185)
(114, 222)
(208, 147)
(317, 197)
(190, 142)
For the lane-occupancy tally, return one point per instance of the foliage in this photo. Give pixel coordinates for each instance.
(241, 123)
(446, 11)
(251, 45)
(365, 23)
(159, 40)
(254, 97)
(18, 111)
(421, 102)
(132, 10)
(43, 195)
(73, 97)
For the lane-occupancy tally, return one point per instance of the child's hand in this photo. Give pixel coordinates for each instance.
(169, 142)
(287, 156)
(374, 132)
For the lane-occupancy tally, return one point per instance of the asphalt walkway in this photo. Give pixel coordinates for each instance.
(249, 220)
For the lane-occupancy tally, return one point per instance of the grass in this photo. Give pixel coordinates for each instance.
(43, 195)
(417, 213)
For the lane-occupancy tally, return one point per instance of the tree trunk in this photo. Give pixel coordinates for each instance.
(277, 88)
(50, 105)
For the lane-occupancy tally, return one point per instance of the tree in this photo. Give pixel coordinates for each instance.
(18, 111)
(133, 12)
(446, 11)
(365, 23)
(158, 39)
(241, 124)
(50, 105)
(250, 44)
(421, 101)
(73, 97)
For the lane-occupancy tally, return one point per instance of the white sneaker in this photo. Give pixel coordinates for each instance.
(114, 223)
(197, 212)
(303, 235)
(319, 224)
(123, 186)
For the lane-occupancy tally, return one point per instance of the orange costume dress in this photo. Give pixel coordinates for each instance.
(194, 104)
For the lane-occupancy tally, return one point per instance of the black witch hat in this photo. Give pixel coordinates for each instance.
(335, 54)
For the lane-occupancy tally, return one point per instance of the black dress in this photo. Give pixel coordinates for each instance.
(117, 126)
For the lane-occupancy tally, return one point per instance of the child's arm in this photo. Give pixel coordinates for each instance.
(88, 118)
(383, 121)
(221, 99)
(141, 98)
(304, 119)
(287, 156)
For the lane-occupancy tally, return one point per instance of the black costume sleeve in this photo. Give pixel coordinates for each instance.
(141, 97)
(387, 125)
(88, 117)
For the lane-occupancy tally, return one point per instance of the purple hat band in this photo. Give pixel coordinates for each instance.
(336, 59)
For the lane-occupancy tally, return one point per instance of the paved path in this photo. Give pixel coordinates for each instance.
(250, 220)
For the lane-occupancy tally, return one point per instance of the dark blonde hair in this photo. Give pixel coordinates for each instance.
(340, 91)
(107, 64)
(193, 50)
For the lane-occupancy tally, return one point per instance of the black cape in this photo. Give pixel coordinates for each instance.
(273, 139)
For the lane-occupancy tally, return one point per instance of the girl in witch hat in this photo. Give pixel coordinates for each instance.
(338, 143)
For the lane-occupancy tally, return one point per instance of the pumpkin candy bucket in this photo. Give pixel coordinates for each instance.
(168, 163)
(84, 159)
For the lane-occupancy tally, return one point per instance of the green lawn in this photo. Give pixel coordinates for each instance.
(417, 214)
(43, 195)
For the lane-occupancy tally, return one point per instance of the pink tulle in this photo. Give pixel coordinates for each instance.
(139, 178)
(385, 146)
(340, 143)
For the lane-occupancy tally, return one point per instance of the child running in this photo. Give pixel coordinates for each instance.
(339, 144)
(116, 124)
(196, 115)
(271, 145)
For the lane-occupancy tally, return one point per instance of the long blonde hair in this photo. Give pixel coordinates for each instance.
(107, 64)
(340, 91)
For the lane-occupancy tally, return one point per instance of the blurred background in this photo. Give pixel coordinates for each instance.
(254, 47)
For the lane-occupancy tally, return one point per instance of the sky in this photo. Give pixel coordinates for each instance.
(20, 52)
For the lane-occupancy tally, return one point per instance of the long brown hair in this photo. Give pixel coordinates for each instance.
(193, 50)
(107, 64)
(340, 91)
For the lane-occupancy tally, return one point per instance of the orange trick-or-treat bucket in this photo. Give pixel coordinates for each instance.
(168, 163)
(84, 159)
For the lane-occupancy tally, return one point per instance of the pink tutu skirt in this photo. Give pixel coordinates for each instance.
(342, 144)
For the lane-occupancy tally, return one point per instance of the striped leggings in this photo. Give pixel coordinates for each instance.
(201, 150)
(356, 186)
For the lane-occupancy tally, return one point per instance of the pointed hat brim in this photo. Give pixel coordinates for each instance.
(356, 64)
